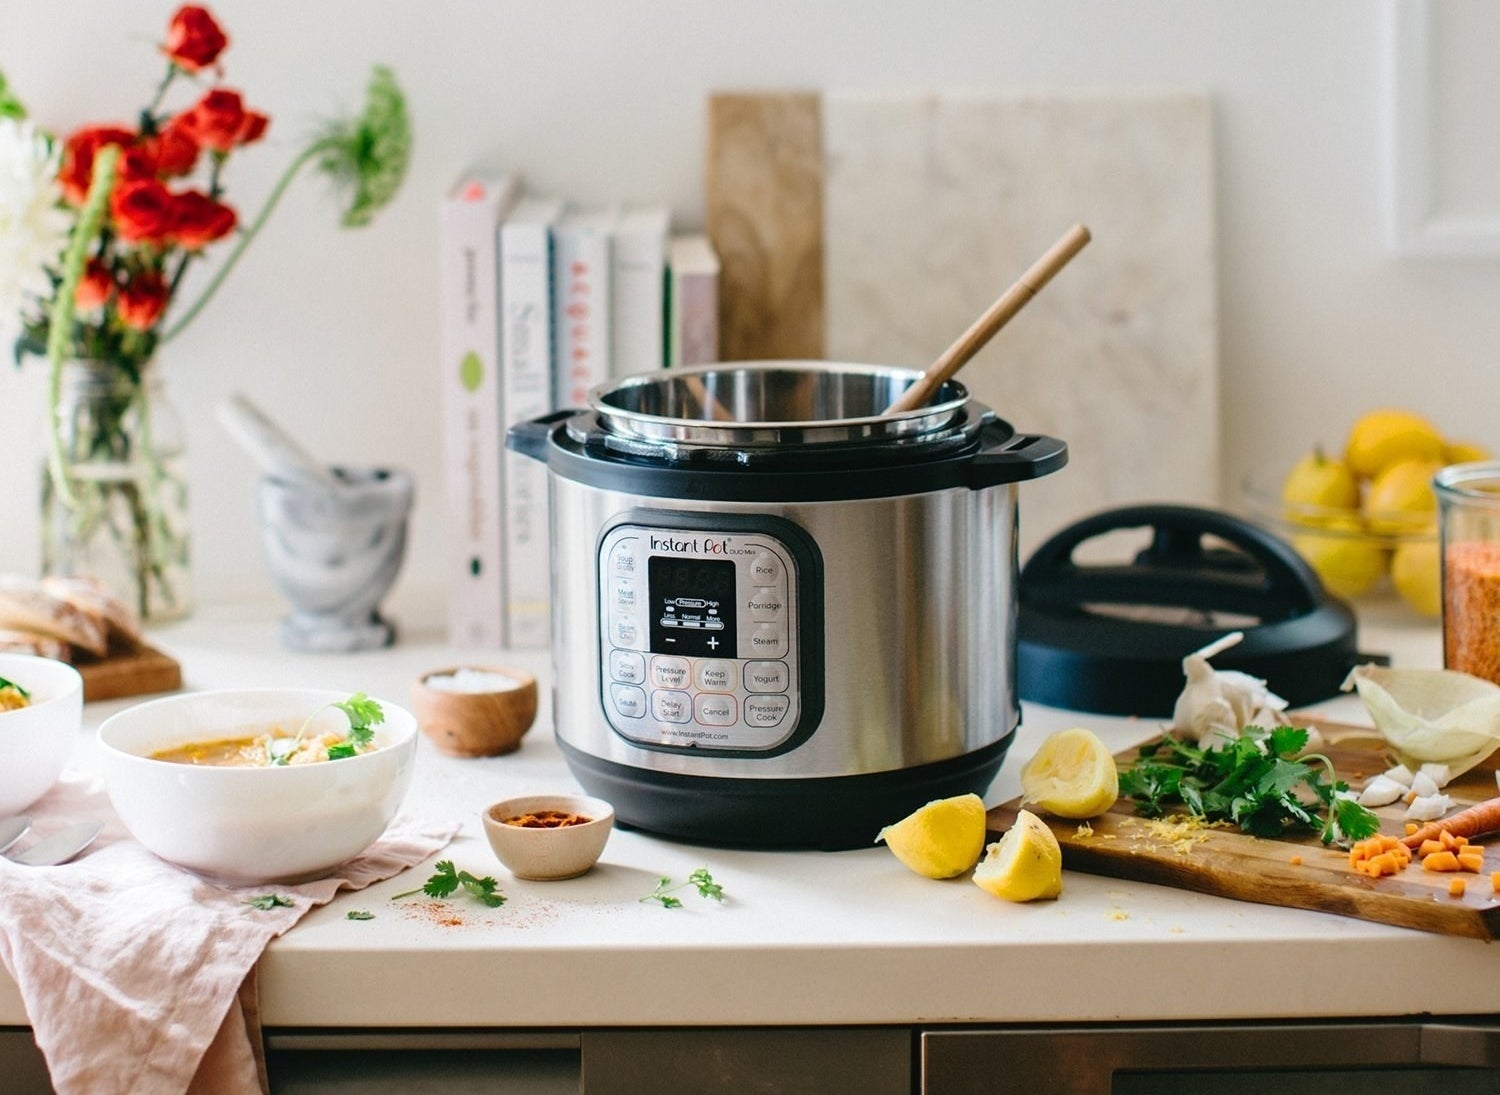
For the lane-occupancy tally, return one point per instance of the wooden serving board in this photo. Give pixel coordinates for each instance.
(1228, 863)
(137, 672)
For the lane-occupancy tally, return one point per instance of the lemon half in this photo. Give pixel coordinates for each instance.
(940, 840)
(1072, 775)
(1025, 865)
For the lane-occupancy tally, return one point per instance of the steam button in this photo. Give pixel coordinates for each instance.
(671, 706)
(769, 641)
(629, 701)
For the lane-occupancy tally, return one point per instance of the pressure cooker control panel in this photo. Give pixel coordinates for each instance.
(706, 628)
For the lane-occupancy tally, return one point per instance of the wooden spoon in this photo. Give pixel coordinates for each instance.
(996, 316)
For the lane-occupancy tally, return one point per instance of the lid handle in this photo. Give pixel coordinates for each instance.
(1265, 578)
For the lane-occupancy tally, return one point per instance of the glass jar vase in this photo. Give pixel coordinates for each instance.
(114, 489)
(1469, 518)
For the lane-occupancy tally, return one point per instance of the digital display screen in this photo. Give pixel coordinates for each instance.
(692, 606)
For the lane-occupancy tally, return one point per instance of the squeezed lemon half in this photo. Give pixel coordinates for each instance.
(940, 840)
(1026, 863)
(1072, 775)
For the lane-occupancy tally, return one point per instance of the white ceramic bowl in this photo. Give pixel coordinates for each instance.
(547, 854)
(253, 825)
(36, 741)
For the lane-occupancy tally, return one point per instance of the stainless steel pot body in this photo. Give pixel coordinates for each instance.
(918, 626)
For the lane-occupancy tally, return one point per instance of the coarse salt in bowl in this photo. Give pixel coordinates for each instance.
(253, 825)
(37, 740)
(475, 711)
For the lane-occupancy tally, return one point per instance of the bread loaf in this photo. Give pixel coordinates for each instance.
(93, 598)
(26, 606)
(29, 642)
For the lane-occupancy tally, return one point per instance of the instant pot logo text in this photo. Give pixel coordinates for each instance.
(698, 545)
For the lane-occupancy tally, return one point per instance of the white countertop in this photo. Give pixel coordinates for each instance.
(804, 937)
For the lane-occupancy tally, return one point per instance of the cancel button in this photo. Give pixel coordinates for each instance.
(766, 677)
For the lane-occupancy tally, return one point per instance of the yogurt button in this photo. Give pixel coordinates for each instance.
(766, 676)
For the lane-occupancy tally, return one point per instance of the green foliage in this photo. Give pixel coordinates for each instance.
(447, 880)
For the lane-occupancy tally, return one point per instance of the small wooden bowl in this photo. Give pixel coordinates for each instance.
(548, 854)
(475, 724)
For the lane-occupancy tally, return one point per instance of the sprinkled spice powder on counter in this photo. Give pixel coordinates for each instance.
(1471, 609)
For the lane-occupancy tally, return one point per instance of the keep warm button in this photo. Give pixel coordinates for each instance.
(765, 710)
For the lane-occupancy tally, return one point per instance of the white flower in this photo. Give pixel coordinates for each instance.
(33, 225)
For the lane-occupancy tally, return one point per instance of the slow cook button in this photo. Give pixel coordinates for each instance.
(669, 672)
(711, 709)
(714, 675)
(765, 710)
(671, 706)
(766, 569)
(766, 604)
(769, 640)
(629, 701)
(766, 677)
(627, 667)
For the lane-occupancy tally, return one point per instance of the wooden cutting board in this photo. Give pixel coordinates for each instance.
(1228, 863)
(136, 672)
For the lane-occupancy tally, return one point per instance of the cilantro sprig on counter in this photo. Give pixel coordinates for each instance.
(447, 879)
(700, 879)
(1261, 781)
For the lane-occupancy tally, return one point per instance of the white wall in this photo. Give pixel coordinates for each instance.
(335, 332)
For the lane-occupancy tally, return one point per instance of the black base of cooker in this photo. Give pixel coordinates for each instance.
(831, 813)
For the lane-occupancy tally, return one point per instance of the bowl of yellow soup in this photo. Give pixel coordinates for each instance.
(251, 786)
(41, 709)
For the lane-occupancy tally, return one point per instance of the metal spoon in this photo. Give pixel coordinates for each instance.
(61, 846)
(13, 829)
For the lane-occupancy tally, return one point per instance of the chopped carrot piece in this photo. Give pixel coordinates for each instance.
(1471, 860)
(1388, 842)
(1383, 864)
(1440, 861)
(1411, 827)
(1409, 797)
(1430, 846)
(1495, 881)
(1456, 888)
(1296, 861)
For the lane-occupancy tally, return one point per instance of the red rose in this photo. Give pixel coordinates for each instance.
(143, 210)
(174, 150)
(77, 169)
(220, 121)
(198, 220)
(143, 300)
(194, 40)
(94, 287)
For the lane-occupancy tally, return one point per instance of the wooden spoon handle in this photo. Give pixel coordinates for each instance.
(996, 316)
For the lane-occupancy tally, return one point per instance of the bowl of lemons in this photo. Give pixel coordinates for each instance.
(1365, 516)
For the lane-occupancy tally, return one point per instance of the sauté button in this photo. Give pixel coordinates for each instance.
(629, 701)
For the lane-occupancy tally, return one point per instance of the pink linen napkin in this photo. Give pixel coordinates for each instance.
(131, 969)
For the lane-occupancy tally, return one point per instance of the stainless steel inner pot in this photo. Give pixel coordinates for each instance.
(766, 404)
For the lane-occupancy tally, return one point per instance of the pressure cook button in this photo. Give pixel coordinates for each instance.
(766, 569)
(715, 675)
(671, 706)
(766, 604)
(670, 672)
(766, 710)
(766, 677)
(629, 701)
(711, 709)
(769, 640)
(627, 667)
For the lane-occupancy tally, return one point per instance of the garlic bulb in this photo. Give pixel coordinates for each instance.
(1219, 703)
(1431, 716)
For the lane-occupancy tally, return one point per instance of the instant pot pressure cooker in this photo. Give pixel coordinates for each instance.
(782, 617)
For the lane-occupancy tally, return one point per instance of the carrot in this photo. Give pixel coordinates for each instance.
(1440, 861)
(1495, 881)
(1295, 861)
(1456, 888)
(1411, 827)
(1475, 821)
(1430, 846)
(1472, 861)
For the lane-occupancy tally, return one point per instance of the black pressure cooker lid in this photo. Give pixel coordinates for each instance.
(1110, 638)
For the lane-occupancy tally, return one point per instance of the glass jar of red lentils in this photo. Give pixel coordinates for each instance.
(1469, 517)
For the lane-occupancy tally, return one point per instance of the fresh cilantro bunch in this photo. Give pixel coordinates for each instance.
(364, 715)
(1261, 781)
(447, 879)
